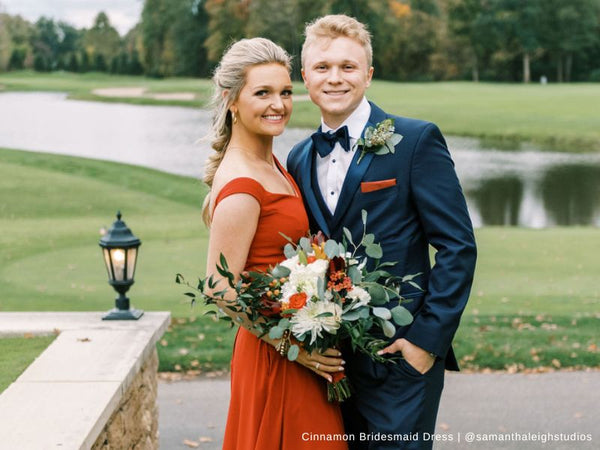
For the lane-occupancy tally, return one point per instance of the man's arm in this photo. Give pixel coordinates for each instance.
(445, 219)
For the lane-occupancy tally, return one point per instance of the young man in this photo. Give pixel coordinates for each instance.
(413, 199)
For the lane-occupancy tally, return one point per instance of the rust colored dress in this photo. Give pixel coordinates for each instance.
(275, 404)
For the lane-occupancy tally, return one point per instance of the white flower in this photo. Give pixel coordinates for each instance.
(306, 320)
(359, 297)
(303, 278)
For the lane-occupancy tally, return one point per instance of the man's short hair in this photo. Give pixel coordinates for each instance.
(338, 25)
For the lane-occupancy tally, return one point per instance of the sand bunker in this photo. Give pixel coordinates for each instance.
(120, 92)
(175, 96)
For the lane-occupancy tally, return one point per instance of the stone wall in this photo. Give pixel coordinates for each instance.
(134, 424)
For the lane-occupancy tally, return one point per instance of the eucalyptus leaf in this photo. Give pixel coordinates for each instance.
(280, 271)
(284, 324)
(377, 293)
(305, 244)
(364, 216)
(321, 287)
(331, 249)
(293, 352)
(348, 235)
(368, 239)
(276, 332)
(289, 251)
(342, 249)
(374, 251)
(355, 275)
(383, 150)
(395, 139)
(351, 315)
(389, 330)
(401, 316)
(382, 313)
(364, 312)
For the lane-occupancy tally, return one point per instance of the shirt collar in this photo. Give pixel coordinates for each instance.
(355, 122)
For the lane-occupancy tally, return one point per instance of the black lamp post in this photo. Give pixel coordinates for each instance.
(120, 247)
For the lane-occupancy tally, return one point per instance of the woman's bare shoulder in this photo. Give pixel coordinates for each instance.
(231, 169)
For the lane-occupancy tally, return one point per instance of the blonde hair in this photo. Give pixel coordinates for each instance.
(334, 26)
(229, 78)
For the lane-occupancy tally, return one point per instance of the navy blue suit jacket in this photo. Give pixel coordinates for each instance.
(423, 205)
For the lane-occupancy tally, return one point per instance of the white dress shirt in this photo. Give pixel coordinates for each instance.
(332, 169)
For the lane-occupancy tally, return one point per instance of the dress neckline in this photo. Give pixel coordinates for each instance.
(285, 174)
(288, 178)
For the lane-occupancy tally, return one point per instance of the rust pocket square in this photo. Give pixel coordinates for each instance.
(370, 186)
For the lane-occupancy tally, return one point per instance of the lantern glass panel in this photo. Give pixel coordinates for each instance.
(106, 253)
(117, 256)
(131, 260)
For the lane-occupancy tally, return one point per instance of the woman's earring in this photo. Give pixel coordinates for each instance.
(234, 117)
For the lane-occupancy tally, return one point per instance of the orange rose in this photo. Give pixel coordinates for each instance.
(297, 300)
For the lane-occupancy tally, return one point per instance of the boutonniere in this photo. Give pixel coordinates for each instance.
(380, 139)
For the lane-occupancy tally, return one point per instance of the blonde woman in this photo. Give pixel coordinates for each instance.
(275, 403)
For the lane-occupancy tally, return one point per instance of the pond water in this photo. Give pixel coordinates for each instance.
(525, 187)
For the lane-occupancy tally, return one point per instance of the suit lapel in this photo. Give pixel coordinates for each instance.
(356, 172)
(305, 175)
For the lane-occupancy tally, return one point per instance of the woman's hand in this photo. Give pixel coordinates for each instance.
(323, 364)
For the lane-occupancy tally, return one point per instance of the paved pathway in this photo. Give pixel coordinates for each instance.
(492, 406)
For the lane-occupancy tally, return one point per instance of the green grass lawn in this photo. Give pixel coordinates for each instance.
(535, 302)
(554, 116)
(80, 86)
(16, 353)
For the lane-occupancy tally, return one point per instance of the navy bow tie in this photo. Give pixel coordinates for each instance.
(324, 142)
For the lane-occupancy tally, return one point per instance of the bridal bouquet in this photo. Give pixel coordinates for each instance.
(320, 295)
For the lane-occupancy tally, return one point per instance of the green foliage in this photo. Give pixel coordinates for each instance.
(17, 59)
(190, 31)
(227, 22)
(102, 42)
(417, 40)
(16, 353)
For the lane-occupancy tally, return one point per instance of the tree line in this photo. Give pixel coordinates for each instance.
(413, 40)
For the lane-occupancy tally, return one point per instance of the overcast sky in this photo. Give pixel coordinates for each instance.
(123, 14)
